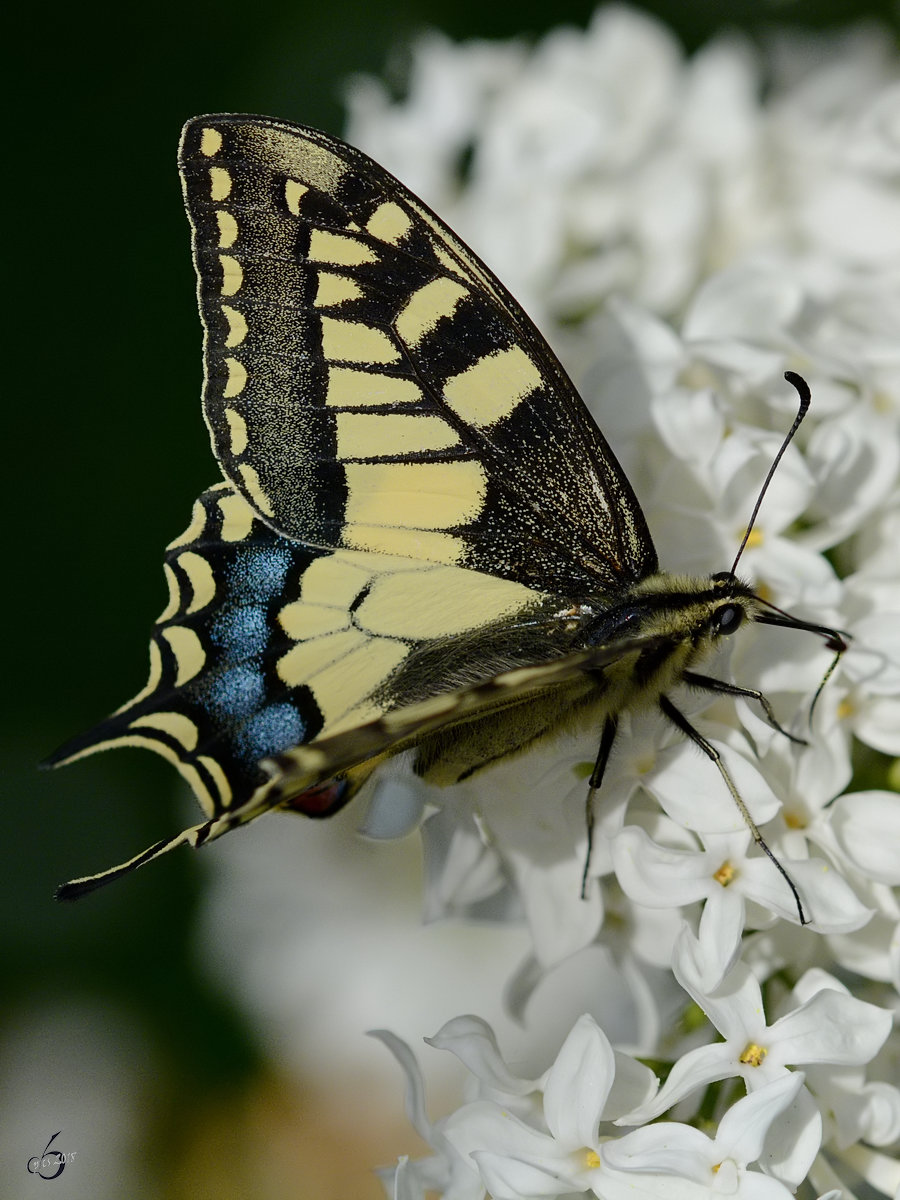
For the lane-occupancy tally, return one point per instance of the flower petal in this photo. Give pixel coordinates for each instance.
(743, 1129)
(578, 1083)
(867, 825)
(829, 1028)
(474, 1044)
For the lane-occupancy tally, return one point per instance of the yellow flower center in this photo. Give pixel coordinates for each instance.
(725, 874)
(753, 1055)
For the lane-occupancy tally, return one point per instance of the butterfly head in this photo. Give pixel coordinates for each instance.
(689, 610)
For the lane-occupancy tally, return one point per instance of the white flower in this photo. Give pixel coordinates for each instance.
(677, 1162)
(867, 828)
(854, 1109)
(552, 1136)
(725, 877)
(445, 1171)
(827, 1027)
(523, 1137)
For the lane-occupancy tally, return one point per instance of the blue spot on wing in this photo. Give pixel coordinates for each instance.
(234, 693)
(241, 631)
(237, 692)
(259, 574)
(273, 729)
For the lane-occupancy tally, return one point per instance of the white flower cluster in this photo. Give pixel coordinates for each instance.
(561, 1134)
(682, 242)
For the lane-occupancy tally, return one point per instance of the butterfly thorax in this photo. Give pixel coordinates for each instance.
(644, 641)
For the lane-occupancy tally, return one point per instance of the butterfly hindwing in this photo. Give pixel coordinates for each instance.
(213, 704)
(370, 385)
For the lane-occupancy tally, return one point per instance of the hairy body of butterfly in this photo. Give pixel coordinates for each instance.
(422, 541)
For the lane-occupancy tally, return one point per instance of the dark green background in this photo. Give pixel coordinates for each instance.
(107, 448)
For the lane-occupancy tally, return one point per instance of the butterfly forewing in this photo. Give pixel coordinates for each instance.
(370, 385)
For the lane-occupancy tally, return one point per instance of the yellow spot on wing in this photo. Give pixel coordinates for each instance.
(414, 495)
(210, 142)
(201, 578)
(188, 650)
(351, 341)
(389, 223)
(219, 183)
(176, 725)
(333, 580)
(186, 769)
(335, 289)
(237, 378)
(301, 620)
(174, 602)
(232, 275)
(237, 517)
(237, 428)
(221, 779)
(237, 326)
(228, 228)
(339, 251)
(492, 387)
(305, 660)
(426, 307)
(376, 435)
(295, 154)
(409, 543)
(195, 527)
(446, 259)
(345, 684)
(152, 683)
(294, 192)
(258, 497)
(448, 601)
(348, 388)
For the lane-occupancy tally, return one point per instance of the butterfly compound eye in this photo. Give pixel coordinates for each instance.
(728, 618)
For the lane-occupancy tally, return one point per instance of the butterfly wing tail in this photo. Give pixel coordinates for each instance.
(76, 888)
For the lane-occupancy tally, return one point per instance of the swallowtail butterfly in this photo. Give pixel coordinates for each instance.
(421, 541)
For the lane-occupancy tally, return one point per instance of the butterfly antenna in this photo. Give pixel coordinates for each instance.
(798, 382)
(839, 650)
(836, 640)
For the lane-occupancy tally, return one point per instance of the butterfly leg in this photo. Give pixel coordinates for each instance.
(708, 684)
(680, 721)
(607, 737)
